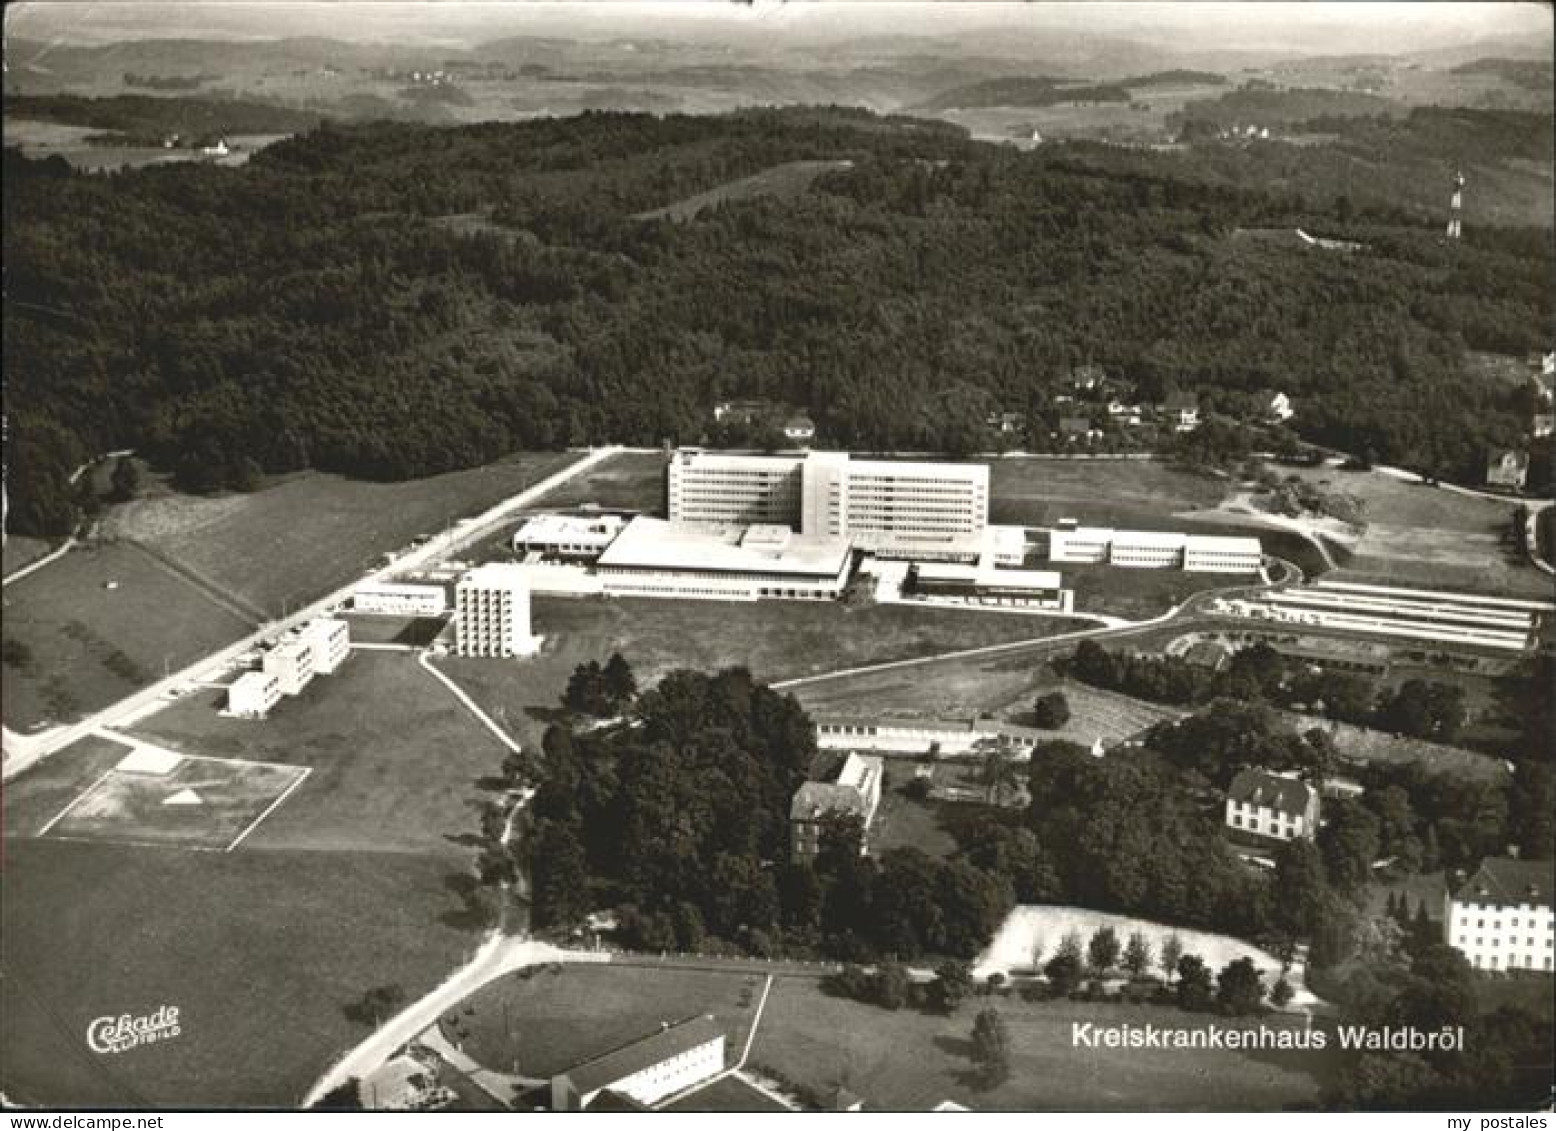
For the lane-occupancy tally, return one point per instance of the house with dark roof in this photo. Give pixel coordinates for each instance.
(1272, 806)
(1499, 916)
(856, 792)
(646, 1070)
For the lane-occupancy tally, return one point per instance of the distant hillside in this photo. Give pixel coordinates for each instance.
(144, 116)
(1277, 107)
(1035, 91)
(1531, 74)
(1174, 78)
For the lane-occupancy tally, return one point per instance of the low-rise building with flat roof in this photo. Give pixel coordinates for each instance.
(399, 598)
(654, 558)
(1031, 588)
(948, 736)
(567, 535)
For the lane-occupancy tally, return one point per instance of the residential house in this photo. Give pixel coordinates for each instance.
(1500, 916)
(857, 791)
(1507, 468)
(1272, 806)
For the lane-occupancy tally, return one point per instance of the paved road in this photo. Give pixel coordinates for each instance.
(21, 751)
(497, 956)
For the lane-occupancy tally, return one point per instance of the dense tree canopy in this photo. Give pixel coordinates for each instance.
(393, 300)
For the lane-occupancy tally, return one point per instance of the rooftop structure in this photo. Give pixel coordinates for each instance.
(400, 599)
(567, 535)
(652, 557)
(646, 1070)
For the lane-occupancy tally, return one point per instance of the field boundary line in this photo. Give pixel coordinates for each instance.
(271, 808)
(756, 1022)
(60, 816)
(470, 704)
(177, 846)
(51, 556)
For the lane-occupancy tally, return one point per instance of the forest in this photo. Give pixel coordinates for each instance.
(317, 308)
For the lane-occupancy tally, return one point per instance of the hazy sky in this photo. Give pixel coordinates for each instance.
(1328, 27)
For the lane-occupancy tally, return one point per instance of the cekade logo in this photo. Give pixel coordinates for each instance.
(122, 1033)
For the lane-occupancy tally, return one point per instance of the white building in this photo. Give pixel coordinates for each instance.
(948, 737)
(856, 791)
(979, 585)
(648, 1070)
(291, 662)
(1206, 554)
(330, 640)
(567, 535)
(1500, 918)
(889, 507)
(1272, 805)
(252, 694)
(400, 599)
(654, 558)
(491, 612)
(1153, 549)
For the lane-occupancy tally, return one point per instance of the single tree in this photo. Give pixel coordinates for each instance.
(1240, 987)
(1172, 951)
(1103, 950)
(1051, 711)
(1064, 973)
(952, 984)
(1137, 955)
(1281, 994)
(991, 1047)
(621, 686)
(1194, 980)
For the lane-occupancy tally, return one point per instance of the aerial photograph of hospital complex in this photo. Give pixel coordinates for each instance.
(786, 556)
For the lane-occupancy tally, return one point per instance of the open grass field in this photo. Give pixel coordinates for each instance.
(21, 551)
(782, 181)
(37, 796)
(1426, 536)
(775, 639)
(396, 759)
(901, 822)
(201, 803)
(908, 1061)
(260, 952)
(546, 1019)
(92, 645)
(314, 532)
(1139, 594)
(1134, 494)
(629, 481)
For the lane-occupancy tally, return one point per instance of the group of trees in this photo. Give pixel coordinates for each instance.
(681, 819)
(391, 300)
(1419, 708)
(601, 691)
